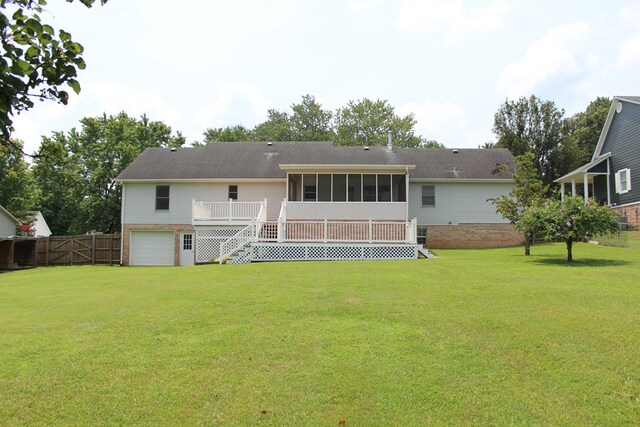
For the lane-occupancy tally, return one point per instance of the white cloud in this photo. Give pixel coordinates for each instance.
(442, 121)
(95, 99)
(236, 103)
(552, 56)
(629, 49)
(450, 17)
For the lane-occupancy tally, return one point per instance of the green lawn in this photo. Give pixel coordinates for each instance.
(472, 337)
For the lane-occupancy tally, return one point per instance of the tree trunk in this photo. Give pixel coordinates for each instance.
(569, 248)
(528, 241)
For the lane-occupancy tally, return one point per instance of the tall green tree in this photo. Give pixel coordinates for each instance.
(226, 134)
(367, 122)
(36, 63)
(310, 122)
(584, 131)
(18, 189)
(536, 126)
(58, 173)
(570, 220)
(528, 191)
(89, 160)
(277, 127)
(431, 143)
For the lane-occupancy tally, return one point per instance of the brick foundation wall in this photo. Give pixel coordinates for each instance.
(471, 236)
(176, 228)
(632, 212)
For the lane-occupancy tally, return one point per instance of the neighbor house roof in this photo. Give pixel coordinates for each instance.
(607, 123)
(8, 214)
(261, 160)
(635, 99)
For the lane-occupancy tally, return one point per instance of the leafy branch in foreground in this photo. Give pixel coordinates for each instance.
(36, 62)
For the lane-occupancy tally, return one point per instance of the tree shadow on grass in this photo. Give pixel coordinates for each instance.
(581, 262)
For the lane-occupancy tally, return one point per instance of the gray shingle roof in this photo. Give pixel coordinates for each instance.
(259, 160)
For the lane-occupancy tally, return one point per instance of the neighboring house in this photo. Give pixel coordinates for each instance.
(613, 174)
(8, 223)
(260, 201)
(39, 224)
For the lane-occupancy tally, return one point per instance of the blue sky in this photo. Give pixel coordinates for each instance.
(196, 64)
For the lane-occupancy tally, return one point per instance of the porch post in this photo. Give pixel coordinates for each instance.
(230, 207)
(573, 187)
(325, 230)
(562, 191)
(586, 186)
(406, 193)
(608, 184)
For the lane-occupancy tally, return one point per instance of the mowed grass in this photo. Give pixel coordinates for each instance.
(472, 337)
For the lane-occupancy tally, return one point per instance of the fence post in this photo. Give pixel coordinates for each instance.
(46, 256)
(93, 248)
(370, 231)
(111, 250)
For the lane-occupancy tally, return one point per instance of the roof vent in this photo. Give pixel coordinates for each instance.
(455, 151)
(173, 149)
(366, 148)
(269, 143)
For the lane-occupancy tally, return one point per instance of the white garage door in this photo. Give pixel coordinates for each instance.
(152, 247)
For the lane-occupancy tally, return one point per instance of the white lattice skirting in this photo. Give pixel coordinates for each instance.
(330, 251)
(208, 241)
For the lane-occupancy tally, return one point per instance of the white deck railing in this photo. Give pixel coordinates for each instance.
(226, 211)
(380, 211)
(245, 236)
(348, 231)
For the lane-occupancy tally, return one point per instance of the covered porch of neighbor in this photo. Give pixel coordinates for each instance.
(594, 177)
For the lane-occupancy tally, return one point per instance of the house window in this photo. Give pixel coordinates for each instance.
(354, 188)
(384, 188)
(324, 187)
(233, 192)
(623, 181)
(422, 236)
(368, 188)
(162, 197)
(428, 195)
(187, 242)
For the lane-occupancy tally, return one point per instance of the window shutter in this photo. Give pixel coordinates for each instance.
(628, 171)
(618, 183)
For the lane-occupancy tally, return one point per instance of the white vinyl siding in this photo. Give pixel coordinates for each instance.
(140, 200)
(457, 203)
(7, 226)
(623, 181)
(152, 247)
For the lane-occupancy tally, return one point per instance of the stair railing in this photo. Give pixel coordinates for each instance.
(245, 236)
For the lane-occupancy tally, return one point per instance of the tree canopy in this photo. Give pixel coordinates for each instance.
(536, 126)
(76, 171)
(363, 122)
(559, 144)
(528, 191)
(584, 132)
(18, 190)
(36, 62)
(569, 220)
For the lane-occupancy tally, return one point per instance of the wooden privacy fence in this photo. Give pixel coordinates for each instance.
(85, 249)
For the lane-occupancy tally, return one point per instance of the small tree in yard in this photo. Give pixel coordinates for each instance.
(527, 192)
(570, 220)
